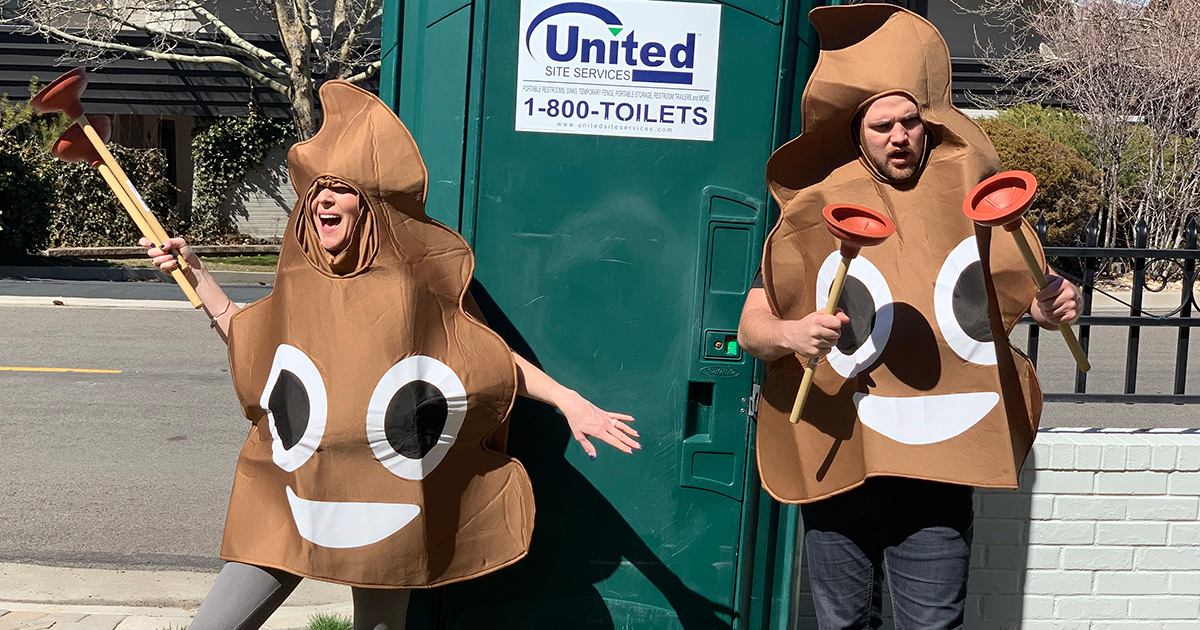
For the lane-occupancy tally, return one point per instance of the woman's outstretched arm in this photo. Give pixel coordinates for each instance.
(218, 305)
(585, 419)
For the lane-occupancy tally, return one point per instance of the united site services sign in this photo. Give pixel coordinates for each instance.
(618, 68)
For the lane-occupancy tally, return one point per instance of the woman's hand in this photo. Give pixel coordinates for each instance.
(165, 259)
(587, 420)
(217, 305)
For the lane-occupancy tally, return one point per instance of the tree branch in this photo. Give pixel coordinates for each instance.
(365, 74)
(314, 28)
(237, 40)
(278, 73)
(152, 54)
(354, 37)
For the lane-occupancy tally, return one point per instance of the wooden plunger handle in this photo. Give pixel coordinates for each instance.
(156, 232)
(835, 293)
(1039, 277)
(136, 215)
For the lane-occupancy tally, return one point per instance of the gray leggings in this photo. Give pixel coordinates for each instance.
(245, 595)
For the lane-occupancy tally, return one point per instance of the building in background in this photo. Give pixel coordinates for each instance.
(156, 104)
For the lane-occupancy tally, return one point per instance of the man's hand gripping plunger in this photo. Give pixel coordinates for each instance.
(813, 336)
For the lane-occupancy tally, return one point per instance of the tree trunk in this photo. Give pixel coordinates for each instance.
(304, 112)
(293, 31)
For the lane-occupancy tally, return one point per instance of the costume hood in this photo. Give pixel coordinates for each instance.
(376, 457)
(924, 382)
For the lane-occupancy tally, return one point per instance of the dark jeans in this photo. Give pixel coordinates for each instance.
(917, 533)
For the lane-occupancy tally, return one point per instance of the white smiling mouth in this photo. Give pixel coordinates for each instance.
(345, 525)
(329, 221)
(924, 419)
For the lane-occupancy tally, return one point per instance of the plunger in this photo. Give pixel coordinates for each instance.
(856, 227)
(73, 146)
(63, 95)
(1001, 201)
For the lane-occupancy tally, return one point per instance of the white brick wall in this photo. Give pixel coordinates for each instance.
(1102, 535)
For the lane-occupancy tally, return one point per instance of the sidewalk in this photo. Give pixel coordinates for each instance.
(1153, 303)
(36, 598)
(125, 274)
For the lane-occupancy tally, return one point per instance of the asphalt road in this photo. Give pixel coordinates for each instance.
(133, 469)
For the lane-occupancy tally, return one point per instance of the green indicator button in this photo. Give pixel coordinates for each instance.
(721, 345)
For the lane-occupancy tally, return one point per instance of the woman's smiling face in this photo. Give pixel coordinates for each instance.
(335, 213)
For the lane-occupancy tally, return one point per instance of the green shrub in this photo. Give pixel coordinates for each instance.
(86, 213)
(1068, 185)
(224, 151)
(1060, 125)
(26, 195)
(26, 181)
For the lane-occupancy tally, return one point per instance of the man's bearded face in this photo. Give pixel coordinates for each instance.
(893, 136)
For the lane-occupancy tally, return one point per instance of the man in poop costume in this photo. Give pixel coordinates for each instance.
(919, 396)
(378, 395)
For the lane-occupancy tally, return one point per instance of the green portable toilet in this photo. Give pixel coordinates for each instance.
(605, 159)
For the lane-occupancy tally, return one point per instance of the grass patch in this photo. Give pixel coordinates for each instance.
(265, 262)
(261, 260)
(322, 621)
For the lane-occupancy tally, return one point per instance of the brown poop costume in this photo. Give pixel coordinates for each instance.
(923, 382)
(376, 457)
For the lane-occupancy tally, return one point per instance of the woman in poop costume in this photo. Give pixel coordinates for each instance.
(922, 396)
(378, 396)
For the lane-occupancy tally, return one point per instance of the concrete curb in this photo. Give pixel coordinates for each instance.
(125, 274)
(66, 598)
(23, 616)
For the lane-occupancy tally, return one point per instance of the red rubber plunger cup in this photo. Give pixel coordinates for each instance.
(73, 146)
(1001, 201)
(62, 95)
(856, 227)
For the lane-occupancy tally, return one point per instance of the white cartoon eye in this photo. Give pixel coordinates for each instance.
(867, 300)
(960, 302)
(296, 407)
(414, 416)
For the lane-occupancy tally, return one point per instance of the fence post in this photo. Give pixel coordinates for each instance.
(1187, 295)
(1135, 332)
(1091, 233)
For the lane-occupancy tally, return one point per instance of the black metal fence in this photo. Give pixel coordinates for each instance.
(1152, 269)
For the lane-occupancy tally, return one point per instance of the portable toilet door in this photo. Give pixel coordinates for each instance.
(605, 159)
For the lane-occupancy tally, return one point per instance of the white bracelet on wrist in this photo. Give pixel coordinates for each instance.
(212, 321)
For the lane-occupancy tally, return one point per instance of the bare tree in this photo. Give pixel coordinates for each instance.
(1170, 109)
(1132, 69)
(319, 42)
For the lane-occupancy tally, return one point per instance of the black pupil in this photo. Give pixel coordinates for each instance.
(859, 306)
(289, 408)
(415, 419)
(971, 303)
